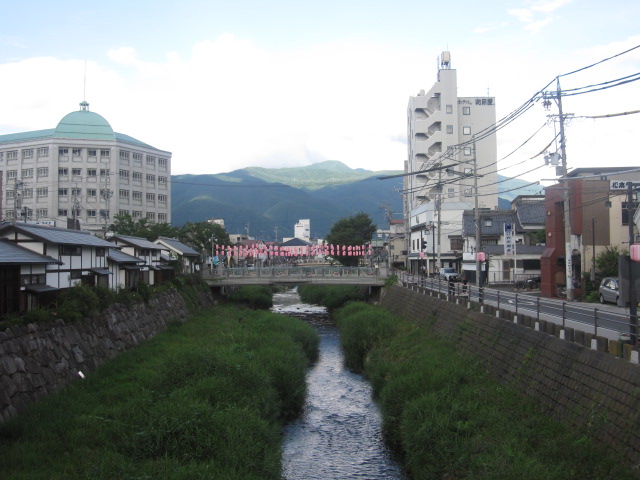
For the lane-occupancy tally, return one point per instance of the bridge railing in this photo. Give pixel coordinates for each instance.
(292, 271)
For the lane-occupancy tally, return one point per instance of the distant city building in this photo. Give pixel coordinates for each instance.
(302, 229)
(216, 221)
(449, 140)
(83, 170)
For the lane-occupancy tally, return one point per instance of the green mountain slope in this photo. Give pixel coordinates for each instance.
(261, 200)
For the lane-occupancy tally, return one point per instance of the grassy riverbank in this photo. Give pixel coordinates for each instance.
(331, 296)
(449, 420)
(206, 399)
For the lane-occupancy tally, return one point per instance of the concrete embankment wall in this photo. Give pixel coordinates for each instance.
(592, 390)
(36, 360)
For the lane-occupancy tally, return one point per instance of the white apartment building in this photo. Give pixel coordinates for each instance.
(82, 169)
(302, 229)
(450, 140)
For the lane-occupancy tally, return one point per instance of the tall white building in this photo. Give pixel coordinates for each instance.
(449, 139)
(83, 170)
(302, 229)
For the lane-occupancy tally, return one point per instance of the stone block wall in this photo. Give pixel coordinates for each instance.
(36, 360)
(590, 389)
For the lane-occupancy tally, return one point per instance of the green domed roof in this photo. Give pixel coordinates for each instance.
(84, 124)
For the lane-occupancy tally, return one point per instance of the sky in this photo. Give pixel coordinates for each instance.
(226, 85)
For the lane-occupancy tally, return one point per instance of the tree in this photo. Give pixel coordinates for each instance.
(202, 235)
(355, 230)
(607, 261)
(124, 225)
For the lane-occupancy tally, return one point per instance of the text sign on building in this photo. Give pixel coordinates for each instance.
(618, 185)
(508, 239)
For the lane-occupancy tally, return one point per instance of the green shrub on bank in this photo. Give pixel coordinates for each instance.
(256, 297)
(331, 296)
(205, 399)
(448, 419)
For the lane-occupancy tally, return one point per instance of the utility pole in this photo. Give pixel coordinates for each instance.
(565, 189)
(633, 301)
(275, 229)
(17, 198)
(567, 211)
(439, 210)
(477, 215)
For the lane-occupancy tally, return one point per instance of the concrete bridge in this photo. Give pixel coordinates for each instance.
(297, 275)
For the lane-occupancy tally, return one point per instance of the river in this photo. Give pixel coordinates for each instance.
(339, 435)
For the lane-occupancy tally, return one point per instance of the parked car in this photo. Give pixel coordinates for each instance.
(449, 274)
(533, 282)
(610, 290)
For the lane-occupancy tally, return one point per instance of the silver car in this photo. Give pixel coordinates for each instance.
(610, 290)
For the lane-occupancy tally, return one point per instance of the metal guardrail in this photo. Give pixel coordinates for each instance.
(289, 274)
(601, 321)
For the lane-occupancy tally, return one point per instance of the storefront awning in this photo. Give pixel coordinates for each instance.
(101, 271)
(132, 267)
(40, 288)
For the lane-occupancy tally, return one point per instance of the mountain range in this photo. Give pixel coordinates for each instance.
(266, 203)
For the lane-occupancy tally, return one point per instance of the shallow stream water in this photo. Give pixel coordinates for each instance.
(339, 435)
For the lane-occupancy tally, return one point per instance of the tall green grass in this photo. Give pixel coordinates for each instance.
(448, 419)
(331, 296)
(206, 399)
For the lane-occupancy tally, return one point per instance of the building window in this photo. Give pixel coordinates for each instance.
(162, 180)
(124, 174)
(92, 152)
(124, 194)
(122, 213)
(92, 172)
(151, 198)
(42, 213)
(62, 212)
(466, 110)
(137, 157)
(42, 172)
(12, 174)
(76, 172)
(456, 243)
(76, 192)
(137, 214)
(451, 192)
(43, 152)
(136, 195)
(70, 250)
(467, 192)
(467, 151)
(162, 198)
(105, 193)
(27, 153)
(487, 222)
(1, 156)
(137, 176)
(151, 216)
(466, 130)
(449, 108)
(63, 152)
(91, 214)
(63, 172)
(63, 192)
(92, 193)
(151, 178)
(12, 155)
(27, 193)
(162, 162)
(450, 129)
(76, 152)
(151, 160)
(124, 155)
(10, 194)
(468, 171)
(450, 172)
(106, 153)
(100, 251)
(162, 217)
(105, 172)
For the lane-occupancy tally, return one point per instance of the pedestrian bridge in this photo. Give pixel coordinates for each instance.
(297, 275)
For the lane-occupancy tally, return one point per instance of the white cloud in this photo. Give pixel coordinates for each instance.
(531, 19)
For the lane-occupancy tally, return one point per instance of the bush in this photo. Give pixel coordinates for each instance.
(255, 297)
(331, 296)
(77, 302)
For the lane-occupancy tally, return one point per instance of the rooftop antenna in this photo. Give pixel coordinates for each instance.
(84, 91)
